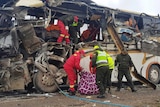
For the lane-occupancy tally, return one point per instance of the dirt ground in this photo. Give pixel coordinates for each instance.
(144, 97)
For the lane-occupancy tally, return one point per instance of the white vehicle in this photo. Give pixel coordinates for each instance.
(143, 50)
(147, 65)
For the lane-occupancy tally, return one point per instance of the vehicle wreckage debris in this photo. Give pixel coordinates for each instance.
(17, 97)
(42, 95)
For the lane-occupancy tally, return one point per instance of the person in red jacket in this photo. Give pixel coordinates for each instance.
(63, 23)
(71, 65)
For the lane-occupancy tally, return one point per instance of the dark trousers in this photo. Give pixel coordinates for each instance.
(109, 83)
(101, 78)
(73, 34)
(126, 73)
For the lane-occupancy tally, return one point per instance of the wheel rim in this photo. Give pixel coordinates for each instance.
(48, 79)
(45, 81)
(154, 75)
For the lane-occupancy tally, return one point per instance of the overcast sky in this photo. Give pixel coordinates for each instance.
(151, 7)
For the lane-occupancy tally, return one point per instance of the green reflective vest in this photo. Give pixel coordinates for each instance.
(101, 59)
(110, 62)
(75, 24)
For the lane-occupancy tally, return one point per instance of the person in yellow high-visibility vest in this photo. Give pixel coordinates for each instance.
(111, 67)
(100, 62)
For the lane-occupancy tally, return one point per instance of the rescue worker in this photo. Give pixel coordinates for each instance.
(51, 26)
(74, 31)
(63, 23)
(72, 64)
(124, 62)
(111, 67)
(101, 63)
(52, 32)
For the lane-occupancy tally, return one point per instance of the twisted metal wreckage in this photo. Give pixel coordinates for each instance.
(26, 59)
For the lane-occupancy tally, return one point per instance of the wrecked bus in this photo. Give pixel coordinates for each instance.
(42, 61)
(27, 60)
(142, 46)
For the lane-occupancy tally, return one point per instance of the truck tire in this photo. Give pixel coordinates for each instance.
(154, 74)
(45, 81)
